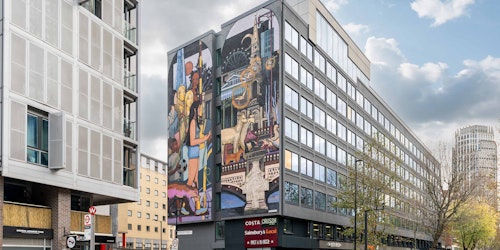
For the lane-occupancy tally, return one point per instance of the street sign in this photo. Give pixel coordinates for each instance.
(92, 210)
(71, 242)
(87, 220)
(175, 244)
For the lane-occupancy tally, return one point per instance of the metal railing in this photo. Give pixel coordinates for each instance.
(130, 32)
(130, 80)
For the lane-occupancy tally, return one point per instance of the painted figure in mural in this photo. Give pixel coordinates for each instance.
(194, 142)
(255, 188)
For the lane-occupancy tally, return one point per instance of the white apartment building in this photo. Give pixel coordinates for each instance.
(69, 112)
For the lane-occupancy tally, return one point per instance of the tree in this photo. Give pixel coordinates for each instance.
(372, 175)
(444, 198)
(475, 225)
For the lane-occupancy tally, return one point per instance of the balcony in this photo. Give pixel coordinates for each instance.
(130, 80)
(130, 32)
(26, 215)
(129, 129)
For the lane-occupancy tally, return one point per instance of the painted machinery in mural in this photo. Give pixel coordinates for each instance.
(250, 129)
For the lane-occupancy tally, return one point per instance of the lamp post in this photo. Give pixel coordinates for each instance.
(161, 234)
(366, 224)
(356, 201)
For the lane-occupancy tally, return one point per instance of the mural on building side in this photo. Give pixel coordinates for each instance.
(189, 135)
(250, 116)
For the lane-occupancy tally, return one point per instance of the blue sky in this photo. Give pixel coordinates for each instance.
(435, 62)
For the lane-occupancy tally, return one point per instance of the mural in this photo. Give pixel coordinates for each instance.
(250, 116)
(190, 137)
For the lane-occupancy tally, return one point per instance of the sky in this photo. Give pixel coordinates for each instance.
(436, 63)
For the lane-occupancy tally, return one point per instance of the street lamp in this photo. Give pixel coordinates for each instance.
(161, 233)
(366, 223)
(356, 200)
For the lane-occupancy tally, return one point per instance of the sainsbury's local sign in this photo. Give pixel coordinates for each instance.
(261, 232)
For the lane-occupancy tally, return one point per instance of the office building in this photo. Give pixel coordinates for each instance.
(68, 114)
(266, 116)
(143, 224)
(475, 155)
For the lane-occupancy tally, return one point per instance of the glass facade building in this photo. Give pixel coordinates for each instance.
(287, 125)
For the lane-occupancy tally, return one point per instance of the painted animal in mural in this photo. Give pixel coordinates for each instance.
(233, 157)
(236, 135)
(273, 141)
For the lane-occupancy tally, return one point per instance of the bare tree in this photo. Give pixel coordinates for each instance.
(444, 197)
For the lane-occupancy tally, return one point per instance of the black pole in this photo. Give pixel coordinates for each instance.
(355, 201)
(366, 229)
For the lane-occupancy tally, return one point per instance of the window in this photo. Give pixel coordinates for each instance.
(148, 190)
(331, 177)
(291, 66)
(129, 226)
(139, 214)
(320, 201)
(291, 193)
(291, 97)
(319, 88)
(148, 203)
(37, 137)
(306, 197)
(94, 6)
(306, 107)
(148, 216)
(306, 166)
(139, 227)
(306, 78)
(291, 161)
(319, 172)
(148, 178)
(319, 144)
(129, 213)
(306, 137)
(291, 129)
(291, 35)
(219, 230)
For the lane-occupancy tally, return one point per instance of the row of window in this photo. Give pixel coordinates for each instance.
(318, 115)
(148, 215)
(291, 35)
(148, 178)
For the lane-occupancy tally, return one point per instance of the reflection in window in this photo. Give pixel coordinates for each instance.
(306, 197)
(37, 138)
(320, 200)
(331, 206)
(331, 177)
(291, 193)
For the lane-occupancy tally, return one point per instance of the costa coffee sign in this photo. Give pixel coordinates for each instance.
(261, 232)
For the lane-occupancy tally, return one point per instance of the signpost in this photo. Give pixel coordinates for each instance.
(91, 228)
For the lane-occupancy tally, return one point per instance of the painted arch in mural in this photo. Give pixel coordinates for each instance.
(250, 139)
(189, 135)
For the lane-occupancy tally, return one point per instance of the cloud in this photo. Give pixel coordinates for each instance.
(334, 5)
(154, 116)
(431, 72)
(383, 51)
(440, 11)
(166, 25)
(356, 29)
(433, 102)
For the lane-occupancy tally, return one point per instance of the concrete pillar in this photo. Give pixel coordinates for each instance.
(59, 201)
